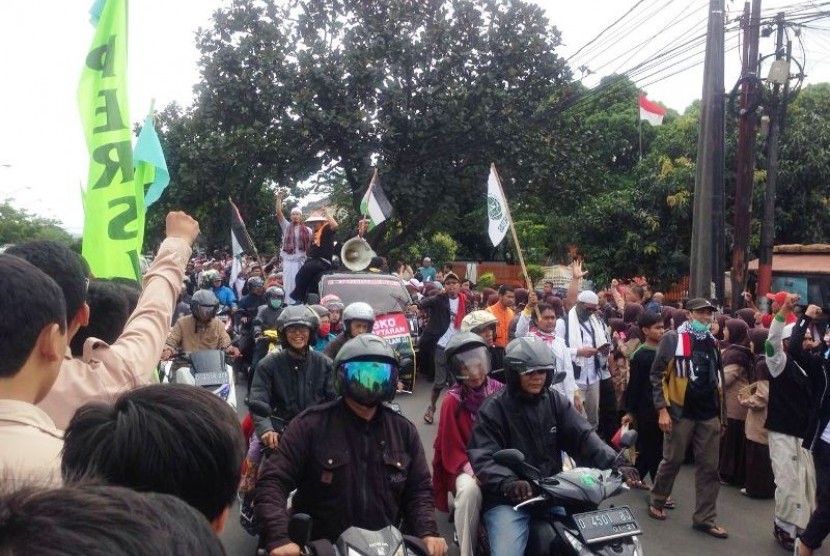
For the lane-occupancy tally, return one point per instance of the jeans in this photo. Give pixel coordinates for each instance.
(508, 529)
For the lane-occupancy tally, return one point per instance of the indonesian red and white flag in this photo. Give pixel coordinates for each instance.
(651, 111)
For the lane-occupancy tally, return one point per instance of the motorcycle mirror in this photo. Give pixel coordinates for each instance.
(628, 438)
(259, 408)
(299, 529)
(559, 376)
(509, 457)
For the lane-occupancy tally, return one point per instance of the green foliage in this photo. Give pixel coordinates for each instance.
(535, 273)
(440, 247)
(486, 280)
(19, 225)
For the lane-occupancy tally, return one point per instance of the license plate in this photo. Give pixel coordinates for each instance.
(604, 525)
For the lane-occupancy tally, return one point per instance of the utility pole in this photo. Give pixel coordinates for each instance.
(708, 203)
(748, 121)
(777, 108)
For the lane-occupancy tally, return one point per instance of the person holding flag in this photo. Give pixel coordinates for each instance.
(296, 241)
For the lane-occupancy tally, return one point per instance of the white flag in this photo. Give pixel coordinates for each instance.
(496, 208)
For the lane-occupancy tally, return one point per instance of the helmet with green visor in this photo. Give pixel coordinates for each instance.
(367, 370)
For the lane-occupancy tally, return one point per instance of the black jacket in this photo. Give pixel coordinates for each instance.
(540, 427)
(439, 317)
(347, 472)
(816, 367)
(291, 385)
(333, 347)
(266, 319)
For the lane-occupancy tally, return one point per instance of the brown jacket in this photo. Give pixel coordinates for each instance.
(188, 335)
(31, 446)
(104, 371)
(347, 472)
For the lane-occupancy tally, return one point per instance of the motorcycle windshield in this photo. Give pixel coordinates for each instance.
(583, 485)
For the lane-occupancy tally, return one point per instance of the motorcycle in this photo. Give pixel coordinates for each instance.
(582, 529)
(206, 368)
(354, 541)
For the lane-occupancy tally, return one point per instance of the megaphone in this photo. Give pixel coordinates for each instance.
(356, 254)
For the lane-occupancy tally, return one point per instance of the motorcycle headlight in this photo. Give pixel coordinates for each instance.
(576, 544)
(638, 547)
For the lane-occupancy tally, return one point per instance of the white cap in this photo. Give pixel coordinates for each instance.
(415, 283)
(296, 210)
(788, 331)
(588, 296)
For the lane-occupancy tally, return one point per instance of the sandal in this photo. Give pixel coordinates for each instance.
(656, 513)
(669, 504)
(429, 416)
(711, 530)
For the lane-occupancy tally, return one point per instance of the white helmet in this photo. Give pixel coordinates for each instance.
(478, 321)
(358, 310)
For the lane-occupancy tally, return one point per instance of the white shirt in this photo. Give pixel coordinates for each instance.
(451, 329)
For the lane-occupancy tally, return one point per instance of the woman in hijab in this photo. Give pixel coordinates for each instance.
(747, 315)
(738, 370)
(759, 482)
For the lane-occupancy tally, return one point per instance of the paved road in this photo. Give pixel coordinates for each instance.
(749, 521)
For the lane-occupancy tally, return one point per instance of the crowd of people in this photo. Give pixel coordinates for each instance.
(553, 373)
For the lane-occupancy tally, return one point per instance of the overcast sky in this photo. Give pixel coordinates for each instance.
(43, 159)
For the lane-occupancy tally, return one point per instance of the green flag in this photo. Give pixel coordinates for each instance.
(150, 172)
(111, 222)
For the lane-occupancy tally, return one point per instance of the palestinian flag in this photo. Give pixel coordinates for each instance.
(374, 205)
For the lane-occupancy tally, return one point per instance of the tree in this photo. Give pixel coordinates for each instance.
(18, 225)
(431, 92)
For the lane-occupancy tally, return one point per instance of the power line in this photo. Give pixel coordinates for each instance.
(601, 33)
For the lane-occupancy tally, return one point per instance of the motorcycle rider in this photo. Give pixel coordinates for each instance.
(266, 319)
(353, 461)
(200, 330)
(335, 307)
(531, 416)
(248, 308)
(212, 280)
(358, 318)
(468, 358)
(484, 324)
(289, 381)
(324, 335)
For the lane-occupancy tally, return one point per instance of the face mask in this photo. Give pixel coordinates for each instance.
(325, 328)
(698, 326)
(276, 303)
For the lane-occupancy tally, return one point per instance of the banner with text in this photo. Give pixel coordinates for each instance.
(394, 328)
(110, 242)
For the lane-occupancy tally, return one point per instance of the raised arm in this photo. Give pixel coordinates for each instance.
(573, 287)
(278, 209)
(330, 217)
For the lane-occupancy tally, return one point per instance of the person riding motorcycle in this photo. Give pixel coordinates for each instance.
(335, 307)
(294, 378)
(353, 461)
(468, 358)
(266, 319)
(539, 421)
(484, 324)
(289, 381)
(324, 335)
(200, 330)
(212, 280)
(358, 318)
(245, 315)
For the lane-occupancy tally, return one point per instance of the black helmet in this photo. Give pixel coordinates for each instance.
(297, 315)
(203, 305)
(367, 370)
(467, 352)
(524, 355)
(255, 282)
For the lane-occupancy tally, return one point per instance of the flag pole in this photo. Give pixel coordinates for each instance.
(512, 229)
(245, 229)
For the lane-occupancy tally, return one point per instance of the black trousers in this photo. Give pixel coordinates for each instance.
(819, 525)
(609, 420)
(308, 279)
(649, 448)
